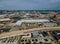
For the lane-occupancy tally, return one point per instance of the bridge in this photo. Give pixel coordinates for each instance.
(20, 32)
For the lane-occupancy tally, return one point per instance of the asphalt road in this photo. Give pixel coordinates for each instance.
(20, 32)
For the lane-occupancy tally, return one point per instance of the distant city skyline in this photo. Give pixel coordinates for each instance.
(29, 4)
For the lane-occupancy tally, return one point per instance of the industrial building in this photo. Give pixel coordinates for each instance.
(31, 21)
(56, 34)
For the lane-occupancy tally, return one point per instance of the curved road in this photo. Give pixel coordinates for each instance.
(17, 33)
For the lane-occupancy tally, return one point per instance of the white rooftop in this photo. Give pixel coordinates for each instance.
(2, 15)
(31, 21)
(5, 19)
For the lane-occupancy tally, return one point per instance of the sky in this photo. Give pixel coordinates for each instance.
(29, 4)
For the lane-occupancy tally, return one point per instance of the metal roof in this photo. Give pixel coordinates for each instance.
(31, 21)
(5, 19)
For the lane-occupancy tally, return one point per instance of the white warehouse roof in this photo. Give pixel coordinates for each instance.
(3, 15)
(31, 21)
(5, 19)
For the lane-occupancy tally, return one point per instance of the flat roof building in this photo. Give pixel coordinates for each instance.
(5, 19)
(31, 21)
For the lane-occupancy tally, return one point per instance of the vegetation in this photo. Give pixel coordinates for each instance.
(41, 43)
(29, 42)
(34, 43)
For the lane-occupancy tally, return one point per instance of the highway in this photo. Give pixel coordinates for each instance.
(20, 32)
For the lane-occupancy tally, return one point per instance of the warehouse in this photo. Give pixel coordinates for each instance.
(31, 21)
(5, 20)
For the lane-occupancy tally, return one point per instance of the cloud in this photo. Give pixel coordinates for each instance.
(53, 1)
(1, 5)
(29, 4)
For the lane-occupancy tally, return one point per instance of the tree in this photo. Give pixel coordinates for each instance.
(29, 42)
(41, 43)
(34, 43)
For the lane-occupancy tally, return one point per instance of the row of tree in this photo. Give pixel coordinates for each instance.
(29, 42)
